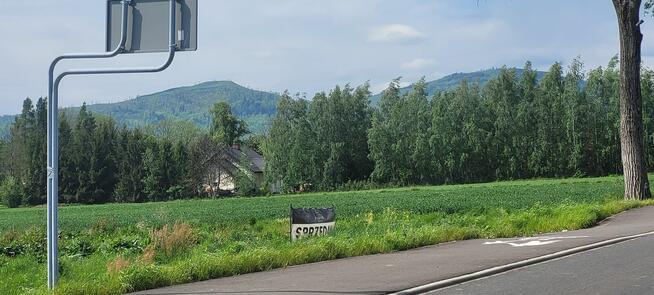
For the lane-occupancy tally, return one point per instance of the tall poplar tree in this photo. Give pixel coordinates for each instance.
(548, 160)
(577, 123)
(399, 135)
(340, 122)
(383, 134)
(525, 141)
(290, 149)
(502, 95)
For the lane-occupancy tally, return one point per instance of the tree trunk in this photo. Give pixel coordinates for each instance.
(636, 184)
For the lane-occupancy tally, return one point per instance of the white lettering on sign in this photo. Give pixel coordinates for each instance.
(533, 241)
(314, 229)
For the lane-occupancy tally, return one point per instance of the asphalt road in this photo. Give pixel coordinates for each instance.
(625, 268)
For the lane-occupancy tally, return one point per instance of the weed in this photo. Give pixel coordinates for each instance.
(370, 217)
(148, 256)
(172, 242)
(101, 226)
(117, 265)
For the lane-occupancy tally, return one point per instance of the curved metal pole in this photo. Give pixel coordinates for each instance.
(54, 171)
(119, 49)
(169, 60)
(171, 55)
(53, 134)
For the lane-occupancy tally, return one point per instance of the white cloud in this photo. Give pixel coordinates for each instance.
(395, 33)
(418, 64)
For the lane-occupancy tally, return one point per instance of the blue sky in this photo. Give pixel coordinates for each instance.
(308, 46)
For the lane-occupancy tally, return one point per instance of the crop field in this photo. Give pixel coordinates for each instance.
(117, 248)
(448, 199)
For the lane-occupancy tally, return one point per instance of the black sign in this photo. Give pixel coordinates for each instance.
(311, 221)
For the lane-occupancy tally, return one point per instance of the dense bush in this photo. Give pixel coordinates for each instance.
(10, 192)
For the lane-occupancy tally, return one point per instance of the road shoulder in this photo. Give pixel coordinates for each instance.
(387, 273)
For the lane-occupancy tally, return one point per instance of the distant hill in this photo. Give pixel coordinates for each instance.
(190, 103)
(452, 81)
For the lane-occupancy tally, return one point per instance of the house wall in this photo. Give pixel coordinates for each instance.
(227, 183)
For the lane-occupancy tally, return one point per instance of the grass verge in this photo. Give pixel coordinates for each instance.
(106, 256)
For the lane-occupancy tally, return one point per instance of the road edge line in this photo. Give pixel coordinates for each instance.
(507, 267)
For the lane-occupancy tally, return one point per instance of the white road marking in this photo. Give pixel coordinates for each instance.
(533, 241)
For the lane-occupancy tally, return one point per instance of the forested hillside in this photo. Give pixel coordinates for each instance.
(190, 103)
(452, 81)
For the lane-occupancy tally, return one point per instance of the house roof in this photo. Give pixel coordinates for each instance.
(235, 154)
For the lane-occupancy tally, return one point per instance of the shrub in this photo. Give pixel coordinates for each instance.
(172, 242)
(10, 192)
(31, 242)
(8, 245)
(177, 192)
(76, 245)
(126, 243)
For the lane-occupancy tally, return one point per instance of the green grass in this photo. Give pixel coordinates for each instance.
(235, 236)
(449, 199)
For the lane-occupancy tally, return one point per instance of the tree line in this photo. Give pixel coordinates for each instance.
(515, 126)
(101, 162)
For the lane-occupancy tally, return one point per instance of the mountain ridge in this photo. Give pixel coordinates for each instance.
(451, 81)
(191, 103)
(256, 107)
